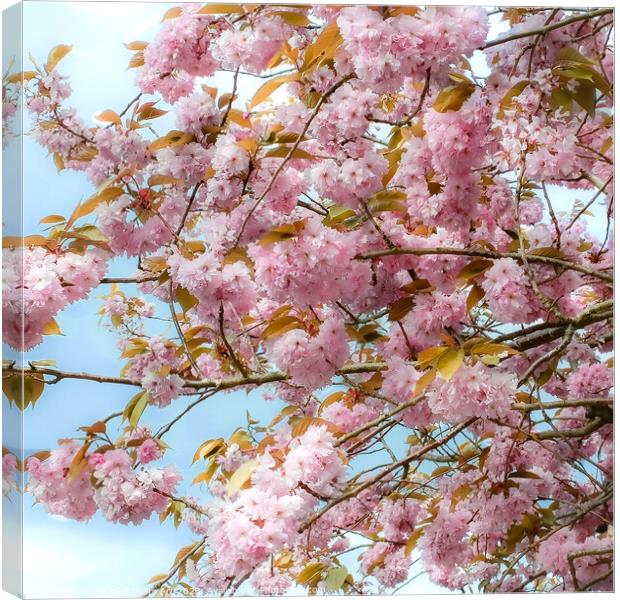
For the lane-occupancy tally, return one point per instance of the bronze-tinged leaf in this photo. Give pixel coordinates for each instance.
(388, 200)
(137, 45)
(400, 308)
(270, 86)
(324, 47)
(150, 112)
(453, 97)
(221, 9)
(185, 298)
(475, 295)
(236, 116)
(283, 151)
(136, 61)
(97, 427)
(280, 326)
(301, 425)
(522, 474)
(283, 232)
(52, 219)
(12, 389)
(422, 384)
(393, 157)
(57, 53)
(24, 76)
(241, 476)
(331, 399)
(108, 116)
(171, 13)
(492, 348)
(291, 18)
(208, 474)
(164, 180)
(417, 287)
(51, 328)
(474, 269)
(172, 138)
(59, 161)
(427, 356)
(79, 462)
(310, 574)
(138, 408)
(12, 241)
(209, 448)
(512, 93)
(449, 362)
(89, 206)
(413, 540)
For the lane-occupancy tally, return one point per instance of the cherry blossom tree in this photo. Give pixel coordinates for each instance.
(382, 240)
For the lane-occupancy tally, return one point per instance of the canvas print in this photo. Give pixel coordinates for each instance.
(307, 299)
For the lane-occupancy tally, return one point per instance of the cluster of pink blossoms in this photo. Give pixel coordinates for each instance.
(154, 366)
(371, 209)
(312, 360)
(264, 518)
(106, 481)
(9, 473)
(474, 391)
(38, 284)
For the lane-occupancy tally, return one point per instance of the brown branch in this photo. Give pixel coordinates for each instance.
(548, 28)
(392, 467)
(485, 254)
(294, 147)
(173, 314)
(229, 348)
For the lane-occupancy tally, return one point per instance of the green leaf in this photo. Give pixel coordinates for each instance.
(560, 98)
(335, 578)
(574, 56)
(585, 96)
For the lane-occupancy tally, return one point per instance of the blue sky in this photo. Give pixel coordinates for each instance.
(64, 558)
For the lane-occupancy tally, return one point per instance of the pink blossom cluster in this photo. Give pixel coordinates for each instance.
(474, 391)
(385, 236)
(385, 51)
(312, 360)
(262, 519)
(9, 473)
(154, 367)
(313, 267)
(38, 284)
(106, 481)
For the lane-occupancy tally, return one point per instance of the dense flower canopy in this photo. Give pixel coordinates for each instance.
(382, 238)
